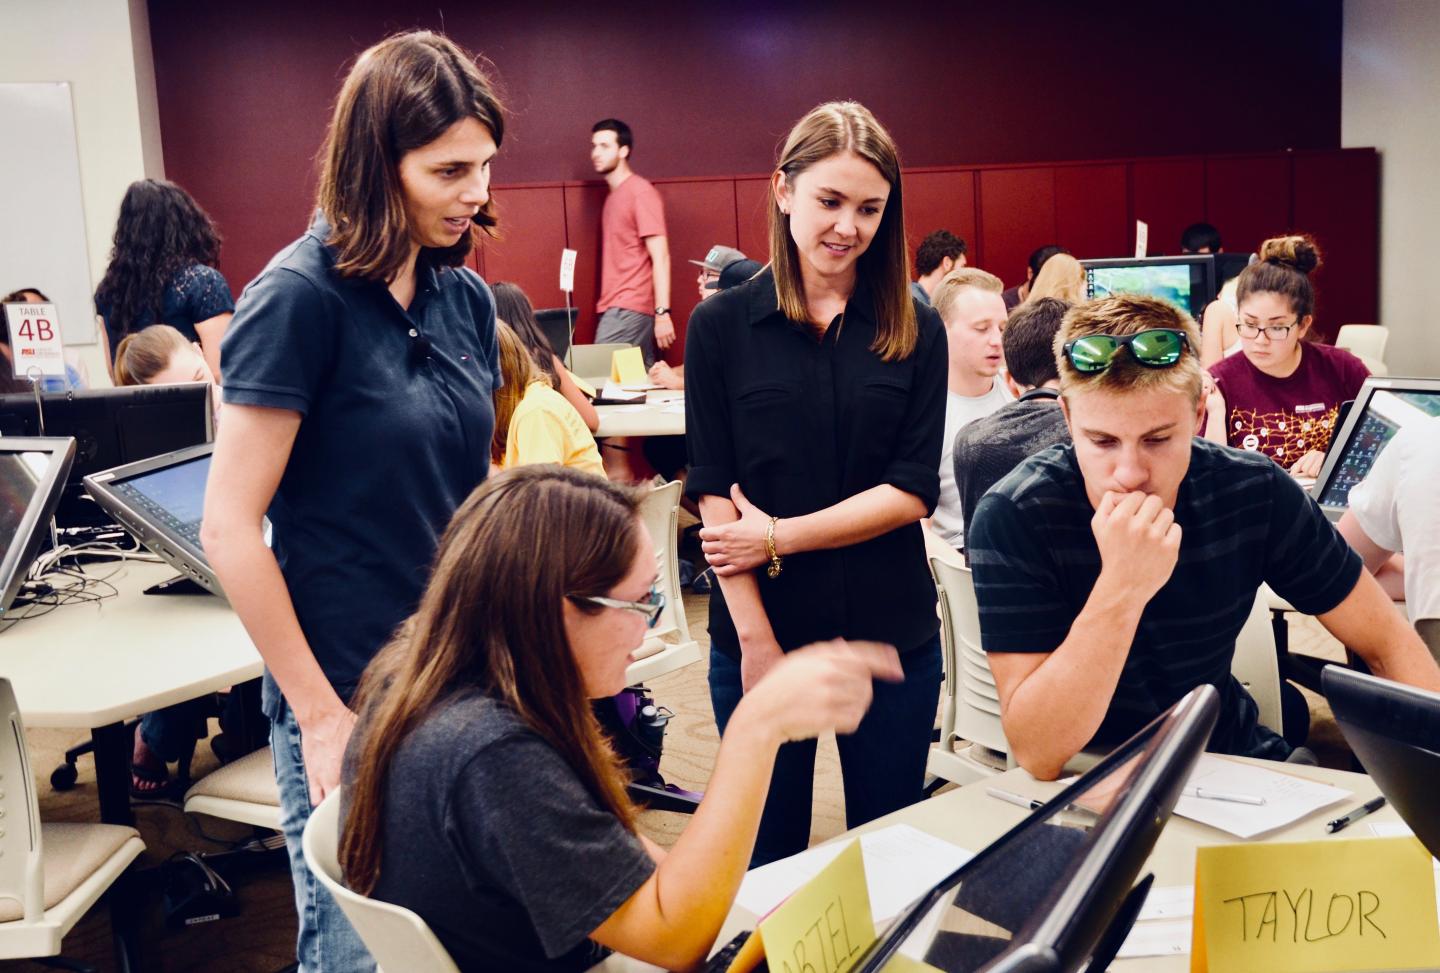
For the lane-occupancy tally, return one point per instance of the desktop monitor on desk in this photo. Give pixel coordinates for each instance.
(32, 474)
(111, 427)
(1059, 891)
(1187, 282)
(1382, 408)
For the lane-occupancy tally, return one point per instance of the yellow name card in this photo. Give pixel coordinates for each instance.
(1315, 907)
(826, 925)
(627, 367)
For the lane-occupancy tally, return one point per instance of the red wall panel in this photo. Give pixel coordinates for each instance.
(1092, 212)
(1337, 199)
(752, 218)
(532, 231)
(698, 215)
(941, 201)
(1168, 195)
(582, 230)
(1017, 216)
(1248, 199)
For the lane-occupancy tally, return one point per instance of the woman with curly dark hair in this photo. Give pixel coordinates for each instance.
(162, 270)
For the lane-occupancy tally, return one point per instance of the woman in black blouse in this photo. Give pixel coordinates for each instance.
(815, 406)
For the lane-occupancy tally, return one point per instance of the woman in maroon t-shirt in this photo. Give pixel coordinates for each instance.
(1282, 394)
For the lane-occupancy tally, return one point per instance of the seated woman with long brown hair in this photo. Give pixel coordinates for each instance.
(480, 792)
(533, 422)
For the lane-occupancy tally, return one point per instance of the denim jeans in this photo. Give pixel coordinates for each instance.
(327, 943)
(882, 762)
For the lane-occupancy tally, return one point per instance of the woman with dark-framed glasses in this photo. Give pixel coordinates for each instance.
(479, 790)
(1282, 394)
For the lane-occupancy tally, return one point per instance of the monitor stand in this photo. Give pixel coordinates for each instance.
(178, 585)
(1115, 934)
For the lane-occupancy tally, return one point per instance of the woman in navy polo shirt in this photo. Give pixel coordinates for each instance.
(814, 410)
(358, 377)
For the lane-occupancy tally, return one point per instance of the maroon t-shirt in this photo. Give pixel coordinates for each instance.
(1285, 418)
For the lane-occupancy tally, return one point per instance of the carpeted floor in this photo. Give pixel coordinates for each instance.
(261, 938)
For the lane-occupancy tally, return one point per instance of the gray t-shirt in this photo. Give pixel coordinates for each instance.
(986, 450)
(492, 839)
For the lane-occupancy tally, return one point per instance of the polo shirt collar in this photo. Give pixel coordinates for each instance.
(427, 277)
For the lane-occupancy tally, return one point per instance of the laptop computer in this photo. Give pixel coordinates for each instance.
(1058, 891)
(160, 501)
(1384, 405)
(32, 475)
(1395, 731)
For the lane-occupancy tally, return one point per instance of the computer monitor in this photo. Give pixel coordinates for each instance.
(1058, 891)
(160, 501)
(112, 426)
(1395, 732)
(1188, 282)
(32, 474)
(1384, 405)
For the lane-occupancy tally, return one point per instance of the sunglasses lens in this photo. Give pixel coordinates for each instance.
(1092, 354)
(1157, 347)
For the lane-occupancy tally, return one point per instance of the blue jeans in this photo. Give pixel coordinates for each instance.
(882, 762)
(327, 943)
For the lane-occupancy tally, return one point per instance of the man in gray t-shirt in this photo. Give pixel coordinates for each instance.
(986, 450)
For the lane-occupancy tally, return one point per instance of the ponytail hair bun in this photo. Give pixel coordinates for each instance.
(1297, 252)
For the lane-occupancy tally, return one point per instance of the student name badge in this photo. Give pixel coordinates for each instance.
(567, 271)
(1142, 238)
(35, 346)
(1315, 906)
(627, 367)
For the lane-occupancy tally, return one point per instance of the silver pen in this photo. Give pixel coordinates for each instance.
(1206, 794)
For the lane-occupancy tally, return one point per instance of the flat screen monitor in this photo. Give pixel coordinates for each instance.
(1384, 406)
(1187, 282)
(160, 501)
(112, 426)
(32, 474)
(1395, 732)
(1058, 891)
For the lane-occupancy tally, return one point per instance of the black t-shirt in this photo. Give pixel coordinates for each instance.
(196, 293)
(489, 836)
(390, 441)
(801, 424)
(1244, 521)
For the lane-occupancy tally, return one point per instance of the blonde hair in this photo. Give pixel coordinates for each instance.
(1060, 277)
(828, 130)
(518, 370)
(1122, 315)
(141, 355)
(950, 286)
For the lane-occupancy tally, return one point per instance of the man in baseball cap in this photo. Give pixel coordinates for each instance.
(719, 257)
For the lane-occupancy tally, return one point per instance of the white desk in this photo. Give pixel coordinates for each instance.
(96, 664)
(972, 819)
(662, 414)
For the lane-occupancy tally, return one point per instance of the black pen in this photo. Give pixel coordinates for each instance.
(1355, 815)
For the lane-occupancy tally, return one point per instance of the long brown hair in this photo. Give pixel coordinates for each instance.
(517, 371)
(512, 305)
(492, 619)
(143, 354)
(830, 129)
(402, 94)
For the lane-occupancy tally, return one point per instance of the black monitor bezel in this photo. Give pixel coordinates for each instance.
(1205, 261)
(1340, 439)
(15, 565)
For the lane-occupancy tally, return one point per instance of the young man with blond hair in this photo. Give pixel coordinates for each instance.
(1113, 574)
(969, 303)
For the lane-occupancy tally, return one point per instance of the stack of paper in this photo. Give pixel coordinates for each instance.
(1163, 926)
(1287, 798)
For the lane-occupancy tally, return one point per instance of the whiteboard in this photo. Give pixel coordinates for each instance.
(42, 211)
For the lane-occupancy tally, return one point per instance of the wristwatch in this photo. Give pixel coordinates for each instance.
(661, 311)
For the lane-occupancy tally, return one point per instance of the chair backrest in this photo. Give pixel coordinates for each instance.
(22, 873)
(557, 324)
(660, 512)
(397, 938)
(1365, 340)
(1256, 665)
(968, 680)
(593, 361)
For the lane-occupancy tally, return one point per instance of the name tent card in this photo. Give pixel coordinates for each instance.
(826, 925)
(627, 367)
(1315, 907)
(35, 345)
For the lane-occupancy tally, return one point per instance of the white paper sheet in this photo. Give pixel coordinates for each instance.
(1169, 902)
(617, 393)
(1159, 937)
(901, 863)
(674, 410)
(1287, 798)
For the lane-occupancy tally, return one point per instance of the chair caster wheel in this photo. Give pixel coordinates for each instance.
(63, 777)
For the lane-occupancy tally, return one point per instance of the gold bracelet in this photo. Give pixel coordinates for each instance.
(776, 561)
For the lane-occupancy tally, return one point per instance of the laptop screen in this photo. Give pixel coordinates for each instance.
(1380, 416)
(172, 495)
(20, 477)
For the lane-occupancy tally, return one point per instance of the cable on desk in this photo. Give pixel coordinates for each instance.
(50, 585)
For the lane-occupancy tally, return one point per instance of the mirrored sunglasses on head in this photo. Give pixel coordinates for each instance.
(1156, 348)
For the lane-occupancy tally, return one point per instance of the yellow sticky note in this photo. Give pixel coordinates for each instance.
(900, 963)
(1314, 907)
(826, 925)
(627, 367)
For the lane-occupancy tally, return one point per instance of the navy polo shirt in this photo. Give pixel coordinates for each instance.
(390, 441)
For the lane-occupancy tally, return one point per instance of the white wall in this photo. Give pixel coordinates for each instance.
(1391, 100)
(94, 45)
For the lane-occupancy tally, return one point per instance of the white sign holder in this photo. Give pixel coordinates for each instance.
(567, 284)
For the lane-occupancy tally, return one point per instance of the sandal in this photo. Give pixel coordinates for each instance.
(149, 783)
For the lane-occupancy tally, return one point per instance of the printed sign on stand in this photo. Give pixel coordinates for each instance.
(1142, 238)
(567, 270)
(35, 346)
